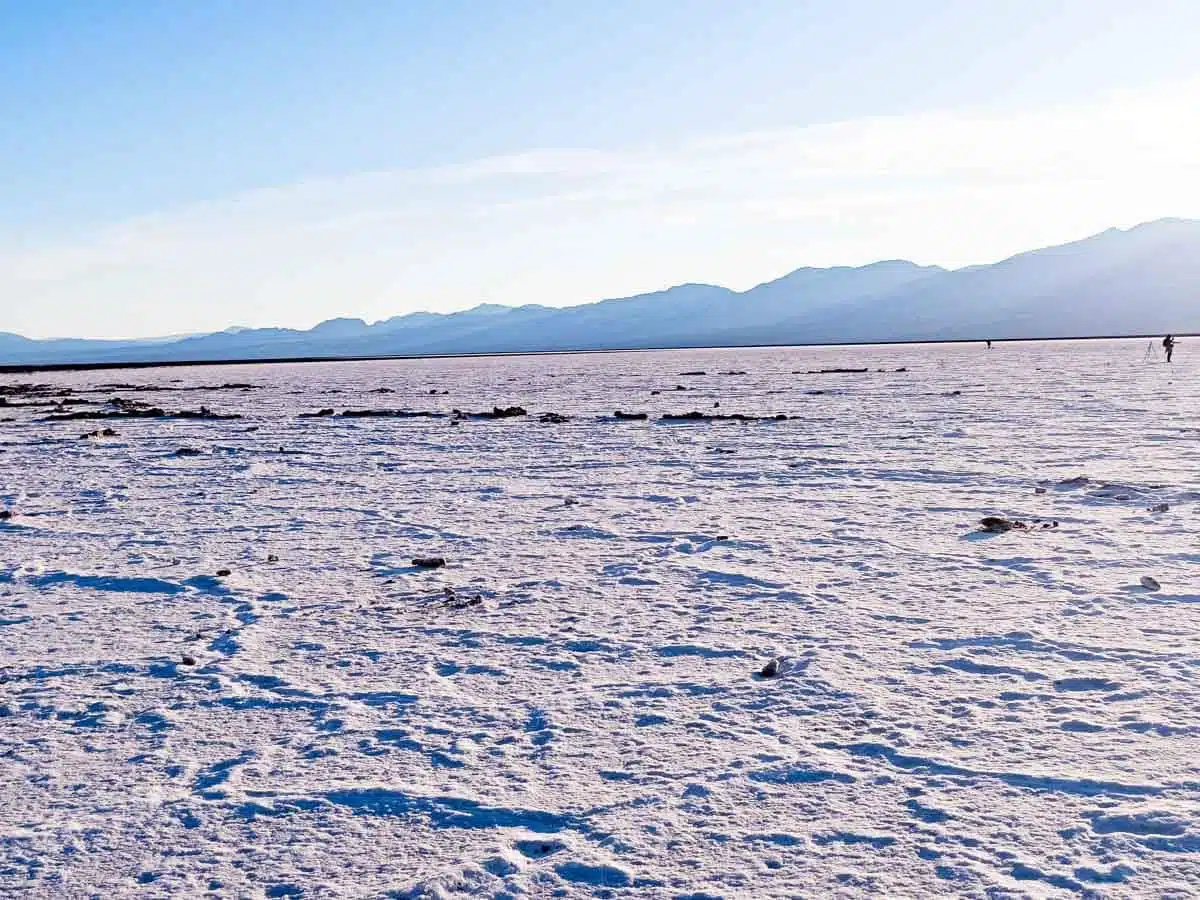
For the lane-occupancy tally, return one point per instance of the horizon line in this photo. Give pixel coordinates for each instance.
(31, 368)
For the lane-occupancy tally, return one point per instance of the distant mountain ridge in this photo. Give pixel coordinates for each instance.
(1142, 280)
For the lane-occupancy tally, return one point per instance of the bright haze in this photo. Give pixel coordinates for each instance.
(178, 168)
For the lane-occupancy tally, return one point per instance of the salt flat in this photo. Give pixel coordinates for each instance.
(961, 714)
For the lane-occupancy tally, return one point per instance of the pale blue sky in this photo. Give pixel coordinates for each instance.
(169, 167)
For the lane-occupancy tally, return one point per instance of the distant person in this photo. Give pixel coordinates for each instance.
(1169, 346)
(989, 343)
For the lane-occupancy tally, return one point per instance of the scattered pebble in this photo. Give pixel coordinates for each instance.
(187, 451)
(999, 524)
(223, 573)
(188, 660)
(1159, 508)
(1150, 584)
(429, 562)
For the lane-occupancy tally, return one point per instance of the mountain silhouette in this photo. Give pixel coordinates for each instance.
(1142, 280)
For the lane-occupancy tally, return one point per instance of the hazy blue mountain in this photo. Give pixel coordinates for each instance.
(1142, 280)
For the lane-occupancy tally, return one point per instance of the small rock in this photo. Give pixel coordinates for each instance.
(1039, 490)
(1150, 584)
(999, 525)
(1159, 508)
(429, 562)
(771, 669)
(223, 573)
(187, 451)
(188, 660)
(5, 515)
(271, 557)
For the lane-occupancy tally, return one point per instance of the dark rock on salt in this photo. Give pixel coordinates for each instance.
(131, 412)
(630, 417)
(998, 524)
(5, 515)
(498, 412)
(696, 416)
(687, 374)
(129, 409)
(319, 414)
(552, 418)
(271, 557)
(223, 573)
(202, 413)
(429, 562)
(188, 660)
(390, 414)
(188, 451)
(771, 669)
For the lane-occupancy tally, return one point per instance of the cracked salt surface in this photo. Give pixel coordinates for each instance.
(573, 706)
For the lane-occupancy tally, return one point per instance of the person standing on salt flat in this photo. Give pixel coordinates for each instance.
(1169, 346)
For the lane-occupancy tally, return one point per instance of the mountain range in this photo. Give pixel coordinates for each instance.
(1141, 280)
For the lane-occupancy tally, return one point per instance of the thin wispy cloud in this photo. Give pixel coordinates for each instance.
(565, 226)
